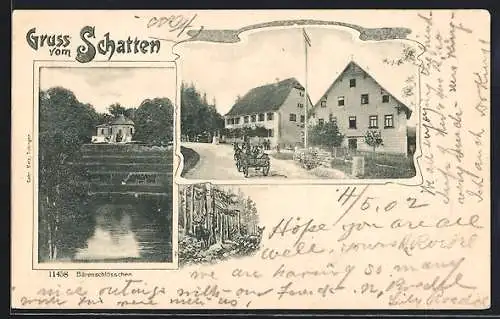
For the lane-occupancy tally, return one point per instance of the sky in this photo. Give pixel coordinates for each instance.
(225, 71)
(102, 87)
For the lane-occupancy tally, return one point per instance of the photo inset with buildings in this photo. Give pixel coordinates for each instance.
(299, 103)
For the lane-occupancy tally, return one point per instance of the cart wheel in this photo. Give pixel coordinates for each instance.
(265, 170)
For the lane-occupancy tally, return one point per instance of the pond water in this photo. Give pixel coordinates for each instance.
(116, 231)
(127, 232)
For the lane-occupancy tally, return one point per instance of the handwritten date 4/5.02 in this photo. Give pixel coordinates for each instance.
(350, 195)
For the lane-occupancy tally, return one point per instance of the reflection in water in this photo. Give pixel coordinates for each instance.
(127, 232)
(113, 237)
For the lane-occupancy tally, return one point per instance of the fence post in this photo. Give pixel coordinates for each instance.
(358, 166)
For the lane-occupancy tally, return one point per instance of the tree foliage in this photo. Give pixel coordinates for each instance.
(325, 135)
(374, 138)
(197, 115)
(116, 109)
(229, 223)
(154, 121)
(64, 125)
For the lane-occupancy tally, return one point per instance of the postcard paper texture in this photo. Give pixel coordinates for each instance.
(293, 159)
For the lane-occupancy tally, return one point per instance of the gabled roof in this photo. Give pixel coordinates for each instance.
(266, 98)
(406, 109)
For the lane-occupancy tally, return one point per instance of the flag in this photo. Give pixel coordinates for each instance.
(306, 37)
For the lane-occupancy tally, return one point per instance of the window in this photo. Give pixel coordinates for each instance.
(341, 101)
(323, 103)
(385, 98)
(254, 118)
(388, 121)
(270, 132)
(373, 121)
(237, 120)
(352, 83)
(364, 98)
(302, 119)
(300, 105)
(131, 131)
(352, 122)
(301, 93)
(270, 116)
(102, 131)
(261, 117)
(228, 121)
(293, 117)
(245, 119)
(321, 121)
(332, 118)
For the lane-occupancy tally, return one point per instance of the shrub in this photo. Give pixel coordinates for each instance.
(374, 138)
(326, 135)
(246, 245)
(190, 250)
(308, 159)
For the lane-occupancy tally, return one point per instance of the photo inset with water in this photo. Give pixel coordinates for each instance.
(105, 164)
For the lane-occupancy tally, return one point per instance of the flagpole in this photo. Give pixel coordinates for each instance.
(305, 94)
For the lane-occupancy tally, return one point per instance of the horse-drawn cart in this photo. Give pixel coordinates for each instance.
(256, 161)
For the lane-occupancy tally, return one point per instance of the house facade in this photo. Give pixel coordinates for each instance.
(358, 103)
(120, 129)
(277, 107)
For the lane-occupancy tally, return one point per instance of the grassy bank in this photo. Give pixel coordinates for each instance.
(191, 158)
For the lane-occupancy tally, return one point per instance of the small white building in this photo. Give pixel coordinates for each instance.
(120, 130)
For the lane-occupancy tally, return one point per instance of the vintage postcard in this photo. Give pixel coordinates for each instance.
(284, 159)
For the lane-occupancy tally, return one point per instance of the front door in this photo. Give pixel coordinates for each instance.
(353, 144)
